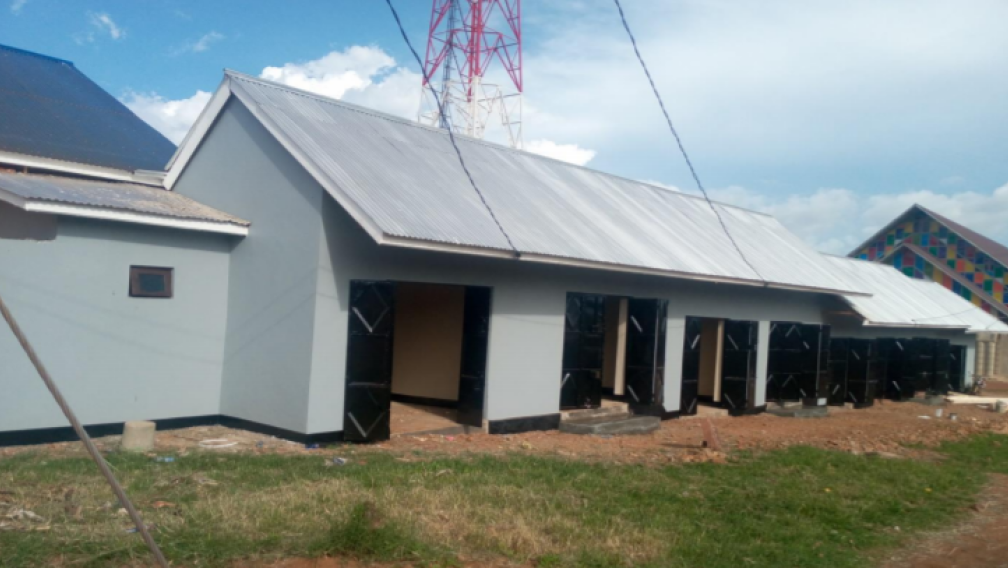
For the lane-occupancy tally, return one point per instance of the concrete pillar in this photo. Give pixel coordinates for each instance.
(675, 336)
(762, 362)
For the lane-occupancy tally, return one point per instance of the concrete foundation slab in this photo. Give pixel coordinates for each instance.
(603, 425)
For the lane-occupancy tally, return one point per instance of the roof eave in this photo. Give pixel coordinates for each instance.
(418, 244)
(106, 214)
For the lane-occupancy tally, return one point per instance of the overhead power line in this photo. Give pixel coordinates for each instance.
(451, 135)
(678, 140)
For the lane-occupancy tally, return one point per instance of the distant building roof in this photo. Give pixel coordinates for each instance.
(115, 201)
(49, 109)
(402, 182)
(989, 246)
(992, 248)
(898, 301)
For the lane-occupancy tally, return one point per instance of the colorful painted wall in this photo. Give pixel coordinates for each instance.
(941, 246)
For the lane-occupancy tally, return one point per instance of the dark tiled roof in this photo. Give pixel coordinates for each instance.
(992, 248)
(50, 109)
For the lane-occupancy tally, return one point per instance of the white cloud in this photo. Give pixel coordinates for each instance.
(171, 117)
(200, 45)
(17, 5)
(364, 75)
(571, 153)
(106, 24)
(837, 220)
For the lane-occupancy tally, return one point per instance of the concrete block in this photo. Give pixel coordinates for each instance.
(138, 436)
(605, 426)
(798, 411)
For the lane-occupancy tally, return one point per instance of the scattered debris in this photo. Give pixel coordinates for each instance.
(336, 460)
(217, 444)
(311, 446)
(163, 505)
(164, 459)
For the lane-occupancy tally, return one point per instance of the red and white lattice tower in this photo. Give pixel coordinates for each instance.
(466, 39)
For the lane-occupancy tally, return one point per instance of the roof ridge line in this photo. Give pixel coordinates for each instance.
(36, 54)
(469, 139)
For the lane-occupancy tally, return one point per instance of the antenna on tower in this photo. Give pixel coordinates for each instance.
(465, 39)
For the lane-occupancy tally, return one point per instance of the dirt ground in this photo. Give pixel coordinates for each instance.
(886, 429)
(979, 542)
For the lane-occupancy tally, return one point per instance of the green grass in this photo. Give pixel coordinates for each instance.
(798, 507)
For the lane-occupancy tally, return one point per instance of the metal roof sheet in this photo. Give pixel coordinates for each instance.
(406, 180)
(110, 195)
(899, 301)
(52, 110)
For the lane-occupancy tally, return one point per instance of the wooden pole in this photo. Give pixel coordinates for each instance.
(120, 493)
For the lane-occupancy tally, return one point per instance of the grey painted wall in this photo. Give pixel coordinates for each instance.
(114, 357)
(240, 168)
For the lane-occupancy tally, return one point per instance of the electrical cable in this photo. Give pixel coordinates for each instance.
(678, 140)
(451, 135)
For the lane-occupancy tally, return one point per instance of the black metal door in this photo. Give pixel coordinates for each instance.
(838, 365)
(584, 344)
(369, 361)
(738, 365)
(865, 372)
(692, 345)
(899, 368)
(957, 368)
(475, 346)
(922, 363)
(647, 321)
(940, 383)
(783, 365)
(815, 363)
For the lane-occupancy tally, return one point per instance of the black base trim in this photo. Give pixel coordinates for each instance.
(748, 411)
(66, 434)
(424, 401)
(282, 433)
(525, 424)
(671, 414)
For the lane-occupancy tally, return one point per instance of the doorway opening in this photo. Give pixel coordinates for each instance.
(614, 350)
(416, 359)
(719, 365)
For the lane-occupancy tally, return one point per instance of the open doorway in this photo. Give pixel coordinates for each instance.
(614, 350)
(719, 365)
(416, 359)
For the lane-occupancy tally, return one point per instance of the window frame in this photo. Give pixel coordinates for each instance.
(136, 291)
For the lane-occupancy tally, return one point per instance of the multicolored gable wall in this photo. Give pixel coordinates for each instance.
(922, 247)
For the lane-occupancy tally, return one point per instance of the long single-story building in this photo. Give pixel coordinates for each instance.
(303, 262)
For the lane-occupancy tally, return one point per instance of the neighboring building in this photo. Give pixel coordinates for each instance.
(83, 218)
(925, 245)
(370, 269)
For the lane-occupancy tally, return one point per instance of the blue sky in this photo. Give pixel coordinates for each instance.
(834, 116)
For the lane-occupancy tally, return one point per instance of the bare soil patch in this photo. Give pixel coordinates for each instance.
(979, 542)
(891, 429)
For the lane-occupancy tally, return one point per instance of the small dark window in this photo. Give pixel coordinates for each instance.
(150, 282)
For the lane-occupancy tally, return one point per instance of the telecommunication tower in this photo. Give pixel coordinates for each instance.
(467, 38)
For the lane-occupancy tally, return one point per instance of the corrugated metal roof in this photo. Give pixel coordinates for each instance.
(406, 179)
(129, 197)
(52, 110)
(899, 301)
